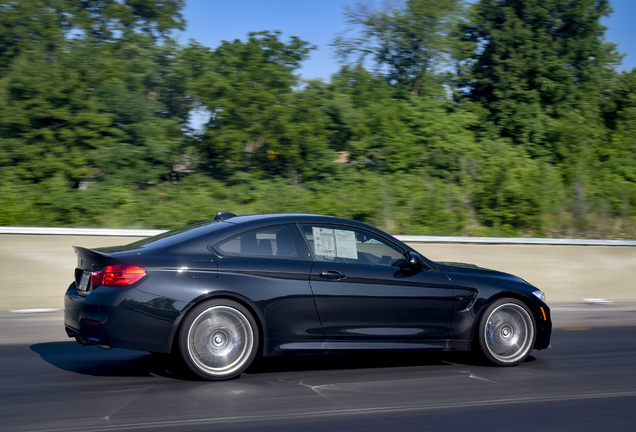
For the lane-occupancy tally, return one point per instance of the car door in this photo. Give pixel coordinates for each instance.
(271, 266)
(365, 289)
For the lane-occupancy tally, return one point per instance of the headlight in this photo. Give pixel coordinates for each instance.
(540, 295)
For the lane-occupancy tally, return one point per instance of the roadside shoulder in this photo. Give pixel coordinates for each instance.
(593, 314)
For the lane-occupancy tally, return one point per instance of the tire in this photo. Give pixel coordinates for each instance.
(218, 340)
(506, 332)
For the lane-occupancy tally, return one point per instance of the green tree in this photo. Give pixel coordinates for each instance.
(413, 43)
(49, 120)
(538, 60)
(83, 81)
(364, 117)
(621, 118)
(46, 25)
(247, 89)
(514, 192)
(27, 25)
(614, 161)
(116, 20)
(135, 85)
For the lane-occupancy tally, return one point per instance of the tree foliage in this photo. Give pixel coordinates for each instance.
(413, 43)
(246, 87)
(537, 61)
(494, 117)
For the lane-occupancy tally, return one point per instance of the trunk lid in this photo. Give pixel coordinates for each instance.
(88, 260)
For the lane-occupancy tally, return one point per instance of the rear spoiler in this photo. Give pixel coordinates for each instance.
(90, 259)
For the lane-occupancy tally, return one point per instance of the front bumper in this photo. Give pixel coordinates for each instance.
(544, 327)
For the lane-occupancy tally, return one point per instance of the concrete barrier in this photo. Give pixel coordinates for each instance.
(36, 269)
(567, 274)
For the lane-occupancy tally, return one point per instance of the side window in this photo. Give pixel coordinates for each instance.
(346, 244)
(274, 242)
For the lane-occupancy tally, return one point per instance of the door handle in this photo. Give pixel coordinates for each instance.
(333, 275)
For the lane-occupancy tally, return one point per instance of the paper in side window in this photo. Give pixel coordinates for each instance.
(335, 243)
(324, 241)
(346, 244)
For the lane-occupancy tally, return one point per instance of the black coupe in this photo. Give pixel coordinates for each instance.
(221, 292)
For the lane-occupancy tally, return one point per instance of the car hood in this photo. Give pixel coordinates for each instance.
(472, 269)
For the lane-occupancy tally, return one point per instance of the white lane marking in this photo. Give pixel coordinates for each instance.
(34, 310)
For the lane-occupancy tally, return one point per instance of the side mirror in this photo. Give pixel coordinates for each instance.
(415, 260)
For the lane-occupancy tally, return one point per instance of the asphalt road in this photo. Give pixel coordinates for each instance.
(586, 382)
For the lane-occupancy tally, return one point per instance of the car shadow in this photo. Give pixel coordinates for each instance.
(358, 361)
(90, 360)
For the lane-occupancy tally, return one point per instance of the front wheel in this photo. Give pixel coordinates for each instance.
(506, 332)
(218, 339)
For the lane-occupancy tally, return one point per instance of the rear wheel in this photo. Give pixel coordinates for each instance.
(218, 339)
(506, 332)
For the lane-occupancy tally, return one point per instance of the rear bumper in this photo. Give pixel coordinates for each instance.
(89, 332)
(115, 318)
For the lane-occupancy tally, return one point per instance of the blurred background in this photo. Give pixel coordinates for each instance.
(482, 118)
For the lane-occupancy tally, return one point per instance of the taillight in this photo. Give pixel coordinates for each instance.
(119, 275)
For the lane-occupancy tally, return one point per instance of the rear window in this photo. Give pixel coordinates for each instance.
(273, 242)
(178, 236)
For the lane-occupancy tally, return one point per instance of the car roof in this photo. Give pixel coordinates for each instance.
(259, 220)
(200, 233)
(291, 217)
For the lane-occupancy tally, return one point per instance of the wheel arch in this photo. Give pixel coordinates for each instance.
(534, 309)
(252, 309)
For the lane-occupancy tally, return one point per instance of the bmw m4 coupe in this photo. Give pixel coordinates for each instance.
(219, 293)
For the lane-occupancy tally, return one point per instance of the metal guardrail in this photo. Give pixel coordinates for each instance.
(512, 240)
(108, 232)
(405, 238)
